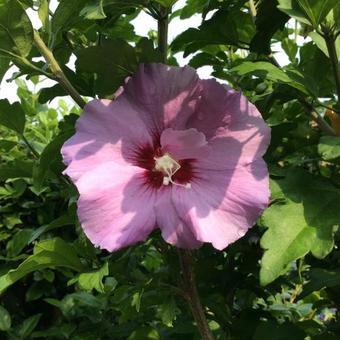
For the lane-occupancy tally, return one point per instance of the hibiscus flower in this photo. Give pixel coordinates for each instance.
(173, 152)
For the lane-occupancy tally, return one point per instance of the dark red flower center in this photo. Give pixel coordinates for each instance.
(162, 169)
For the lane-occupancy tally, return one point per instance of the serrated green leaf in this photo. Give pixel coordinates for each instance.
(115, 60)
(311, 12)
(12, 116)
(316, 10)
(192, 7)
(16, 31)
(269, 71)
(5, 319)
(304, 223)
(168, 311)
(94, 280)
(46, 254)
(213, 32)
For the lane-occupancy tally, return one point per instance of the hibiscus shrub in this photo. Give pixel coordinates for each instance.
(278, 280)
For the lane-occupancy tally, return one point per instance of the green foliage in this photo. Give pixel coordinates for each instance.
(5, 319)
(12, 116)
(301, 223)
(329, 148)
(307, 11)
(280, 281)
(16, 32)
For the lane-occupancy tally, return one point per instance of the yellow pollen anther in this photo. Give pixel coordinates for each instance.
(168, 166)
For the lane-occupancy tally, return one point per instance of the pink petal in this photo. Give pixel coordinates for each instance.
(174, 230)
(233, 126)
(222, 205)
(185, 144)
(115, 208)
(166, 96)
(106, 131)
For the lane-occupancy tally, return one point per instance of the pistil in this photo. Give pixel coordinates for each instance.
(168, 166)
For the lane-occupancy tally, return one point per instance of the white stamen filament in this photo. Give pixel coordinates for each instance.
(169, 166)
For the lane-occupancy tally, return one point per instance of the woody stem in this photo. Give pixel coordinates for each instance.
(163, 23)
(191, 294)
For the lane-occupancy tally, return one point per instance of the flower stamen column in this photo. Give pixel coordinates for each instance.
(190, 288)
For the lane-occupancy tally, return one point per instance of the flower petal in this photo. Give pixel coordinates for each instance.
(115, 208)
(174, 230)
(106, 131)
(166, 96)
(184, 144)
(222, 205)
(233, 126)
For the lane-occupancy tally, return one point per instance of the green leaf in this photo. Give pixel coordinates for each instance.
(49, 93)
(4, 66)
(16, 169)
(115, 60)
(19, 241)
(94, 280)
(28, 326)
(304, 223)
(146, 52)
(268, 21)
(12, 116)
(192, 7)
(320, 278)
(290, 47)
(43, 12)
(94, 11)
(166, 3)
(307, 11)
(266, 330)
(62, 221)
(146, 333)
(269, 71)
(50, 154)
(316, 10)
(168, 311)
(329, 147)
(321, 44)
(7, 145)
(46, 254)
(213, 32)
(16, 31)
(136, 300)
(66, 12)
(5, 319)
